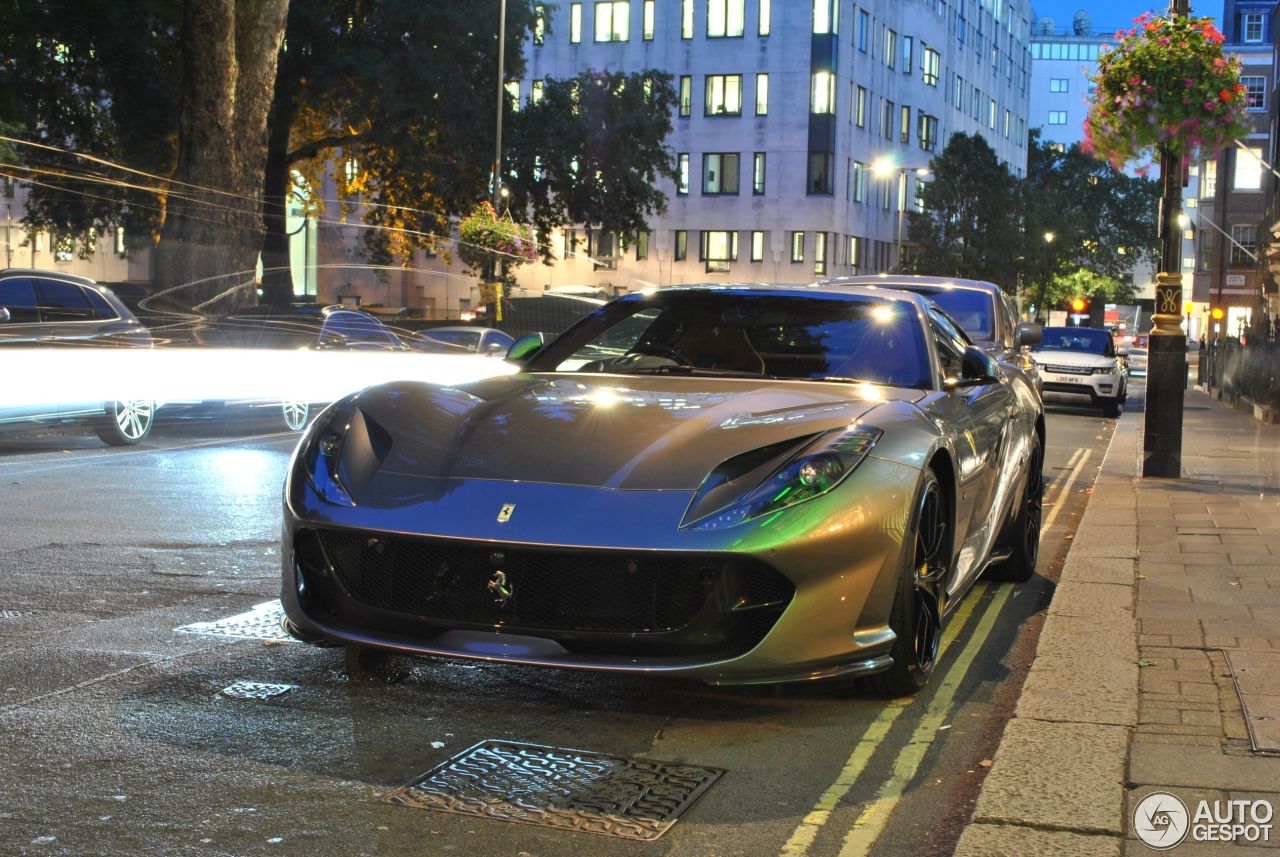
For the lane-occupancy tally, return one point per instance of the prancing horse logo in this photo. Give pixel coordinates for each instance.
(504, 514)
(500, 588)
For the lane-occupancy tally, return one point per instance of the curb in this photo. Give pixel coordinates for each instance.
(1057, 785)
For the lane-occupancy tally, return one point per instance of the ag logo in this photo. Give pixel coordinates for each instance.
(504, 514)
(1161, 820)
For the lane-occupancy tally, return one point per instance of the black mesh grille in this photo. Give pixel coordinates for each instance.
(447, 583)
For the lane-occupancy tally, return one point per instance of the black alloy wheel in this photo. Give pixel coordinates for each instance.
(916, 617)
(1023, 535)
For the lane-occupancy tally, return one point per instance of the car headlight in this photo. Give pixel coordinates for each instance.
(822, 465)
(322, 450)
(1104, 370)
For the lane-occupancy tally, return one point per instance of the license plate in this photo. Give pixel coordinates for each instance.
(1071, 379)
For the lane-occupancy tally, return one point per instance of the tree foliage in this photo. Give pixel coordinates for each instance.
(969, 227)
(1090, 285)
(1072, 215)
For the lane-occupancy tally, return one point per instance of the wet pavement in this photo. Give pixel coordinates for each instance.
(118, 735)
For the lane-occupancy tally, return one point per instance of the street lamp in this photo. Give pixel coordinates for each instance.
(1041, 316)
(884, 168)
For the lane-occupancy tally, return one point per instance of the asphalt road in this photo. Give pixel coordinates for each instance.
(115, 737)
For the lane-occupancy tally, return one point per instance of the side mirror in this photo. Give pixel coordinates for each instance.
(1027, 333)
(525, 347)
(4, 314)
(1122, 351)
(976, 368)
(496, 348)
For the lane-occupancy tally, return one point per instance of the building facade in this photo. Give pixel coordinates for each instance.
(1236, 186)
(785, 110)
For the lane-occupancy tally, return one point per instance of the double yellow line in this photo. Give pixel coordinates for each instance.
(875, 815)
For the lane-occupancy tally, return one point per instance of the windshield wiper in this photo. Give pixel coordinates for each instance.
(677, 369)
(840, 379)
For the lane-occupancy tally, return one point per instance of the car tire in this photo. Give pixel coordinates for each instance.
(295, 415)
(126, 422)
(1022, 537)
(1111, 408)
(368, 664)
(916, 615)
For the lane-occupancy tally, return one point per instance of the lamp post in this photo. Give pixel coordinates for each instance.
(1042, 317)
(884, 168)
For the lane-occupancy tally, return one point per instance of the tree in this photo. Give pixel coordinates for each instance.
(229, 50)
(591, 151)
(1090, 285)
(969, 227)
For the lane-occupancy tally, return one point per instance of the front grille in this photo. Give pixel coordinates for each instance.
(446, 583)
(1066, 370)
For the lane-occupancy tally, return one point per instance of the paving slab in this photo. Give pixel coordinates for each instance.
(1201, 767)
(1092, 599)
(1068, 776)
(1003, 840)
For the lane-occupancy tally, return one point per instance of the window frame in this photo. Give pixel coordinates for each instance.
(708, 87)
(724, 172)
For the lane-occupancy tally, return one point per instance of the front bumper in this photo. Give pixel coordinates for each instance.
(1098, 388)
(802, 595)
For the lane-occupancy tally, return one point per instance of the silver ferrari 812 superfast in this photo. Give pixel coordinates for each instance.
(734, 483)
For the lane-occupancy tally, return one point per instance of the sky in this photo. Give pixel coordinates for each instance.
(1110, 15)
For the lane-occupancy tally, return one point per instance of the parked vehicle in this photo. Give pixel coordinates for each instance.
(1137, 362)
(49, 309)
(739, 484)
(1078, 362)
(463, 340)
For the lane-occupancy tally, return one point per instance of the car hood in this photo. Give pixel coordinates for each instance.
(1072, 359)
(623, 432)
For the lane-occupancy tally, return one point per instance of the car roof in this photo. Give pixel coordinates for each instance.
(457, 327)
(908, 280)
(54, 275)
(875, 291)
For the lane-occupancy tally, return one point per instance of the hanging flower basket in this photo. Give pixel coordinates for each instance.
(1165, 84)
(485, 237)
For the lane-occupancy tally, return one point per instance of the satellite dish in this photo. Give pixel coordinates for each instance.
(1082, 24)
(1046, 26)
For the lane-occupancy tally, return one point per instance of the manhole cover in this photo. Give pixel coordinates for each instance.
(260, 623)
(565, 789)
(256, 690)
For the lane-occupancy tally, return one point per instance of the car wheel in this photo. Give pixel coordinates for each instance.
(126, 423)
(916, 616)
(1023, 534)
(1111, 408)
(366, 664)
(296, 415)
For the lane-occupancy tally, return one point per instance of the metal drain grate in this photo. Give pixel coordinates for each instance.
(255, 690)
(558, 788)
(262, 622)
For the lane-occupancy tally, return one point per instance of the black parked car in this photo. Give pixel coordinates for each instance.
(49, 309)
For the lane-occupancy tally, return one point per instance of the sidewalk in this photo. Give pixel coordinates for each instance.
(1167, 615)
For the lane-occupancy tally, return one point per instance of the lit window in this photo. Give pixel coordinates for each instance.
(120, 244)
(724, 18)
(611, 21)
(724, 95)
(757, 246)
(719, 248)
(890, 48)
(855, 252)
(642, 246)
(539, 24)
(820, 253)
(957, 93)
(1008, 122)
(1058, 84)
(904, 128)
(682, 245)
(823, 93)
(1248, 174)
(859, 181)
(1209, 184)
(824, 17)
(64, 249)
(513, 91)
(991, 115)
(757, 174)
(932, 66)
(927, 131)
(1244, 244)
(686, 19)
(575, 22)
(536, 90)
(648, 20)
(682, 174)
(860, 107)
(720, 173)
(762, 94)
(686, 95)
(765, 11)
(797, 246)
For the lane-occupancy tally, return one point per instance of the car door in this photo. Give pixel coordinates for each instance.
(980, 449)
(67, 317)
(18, 296)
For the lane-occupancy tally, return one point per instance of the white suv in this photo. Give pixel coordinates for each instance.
(1080, 362)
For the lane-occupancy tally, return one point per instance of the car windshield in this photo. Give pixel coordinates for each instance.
(739, 332)
(469, 339)
(353, 326)
(973, 310)
(1087, 340)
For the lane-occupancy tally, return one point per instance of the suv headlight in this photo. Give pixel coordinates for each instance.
(1104, 370)
(820, 467)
